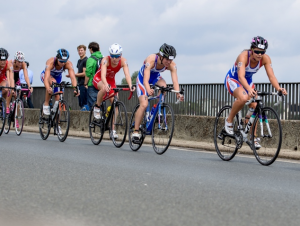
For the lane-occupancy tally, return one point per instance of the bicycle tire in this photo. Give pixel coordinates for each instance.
(8, 119)
(142, 129)
(270, 146)
(62, 124)
(225, 150)
(96, 126)
(19, 114)
(120, 124)
(161, 145)
(44, 124)
(2, 114)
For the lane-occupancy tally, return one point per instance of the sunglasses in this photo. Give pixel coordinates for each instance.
(262, 52)
(62, 61)
(115, 56)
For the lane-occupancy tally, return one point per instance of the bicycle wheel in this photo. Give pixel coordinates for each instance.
(163, 128)
(119, 123)
(2, 114)
(62, 121)
(269, 133)
(44, 124)
(226, 146)
(142, 130)
(19, 117)
(8, 119)
(96, 126)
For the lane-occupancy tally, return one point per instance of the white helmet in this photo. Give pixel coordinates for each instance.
(19, 56)
(115, 49)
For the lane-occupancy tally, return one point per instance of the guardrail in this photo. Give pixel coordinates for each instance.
(202, 99)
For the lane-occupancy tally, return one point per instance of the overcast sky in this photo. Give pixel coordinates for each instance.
(207, 34)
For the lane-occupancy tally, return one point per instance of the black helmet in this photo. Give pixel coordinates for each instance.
(62, 54)
(259, 42)
(167, 51)
(3, 54)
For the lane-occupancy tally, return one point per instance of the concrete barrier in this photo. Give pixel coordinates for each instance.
(190, 131)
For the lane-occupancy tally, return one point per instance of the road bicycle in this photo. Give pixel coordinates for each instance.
(16, 113)
(263, 126)
(59, 117)
(25, 93)
(2, 109)
(115, 120)
(160, 125)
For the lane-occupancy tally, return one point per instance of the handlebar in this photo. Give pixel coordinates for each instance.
(261, 94)
(64, 84)
(124, 89)
(169, 89)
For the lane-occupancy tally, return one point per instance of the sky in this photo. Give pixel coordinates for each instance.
(208, 34)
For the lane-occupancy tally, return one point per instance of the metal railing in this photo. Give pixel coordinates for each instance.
(202, 99)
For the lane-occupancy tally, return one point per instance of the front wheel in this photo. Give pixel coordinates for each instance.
(19, 117)
(2, 114)
(142, 131)
(226, 146)
(8, 119)
(44, 124)
(266, 134)
(96, 125)
(163, 128)
(119, 123)
(62, 121)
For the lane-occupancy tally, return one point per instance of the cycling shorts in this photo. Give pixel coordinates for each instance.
(231, 84)
(111, 82)
(140, 88)
(57, 79)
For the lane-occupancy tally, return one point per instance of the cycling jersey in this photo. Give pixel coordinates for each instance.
(154, 77)
(3, 73)
(110, 75)
(232, 79)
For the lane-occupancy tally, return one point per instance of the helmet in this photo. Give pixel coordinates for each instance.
(19, 56)
(27, 63)
(115, 49)
(167, 51)
(62, 54)
(259, 42)
(3, 54)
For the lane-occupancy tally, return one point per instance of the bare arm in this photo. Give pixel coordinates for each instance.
(10, 75)
(149, 63)
(82, 74)
(124, 64)
(173, 70)
(24, 67)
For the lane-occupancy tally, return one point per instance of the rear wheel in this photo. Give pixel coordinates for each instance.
(44, 124)
(268, 134)
(19, 117)
(163, 128)
(226, 145)
(96, 126)
(62, 121)
(142, 130)
(2, 114)
(119, 124)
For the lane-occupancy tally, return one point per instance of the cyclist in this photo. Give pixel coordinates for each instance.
(104, 79)
(149, 73)
(53, 73)
(6, 74)
(238, 80)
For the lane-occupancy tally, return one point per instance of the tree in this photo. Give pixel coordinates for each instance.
(133, 78)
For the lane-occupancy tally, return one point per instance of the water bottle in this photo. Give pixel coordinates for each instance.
(152, 111)
(107, 111)
(55, 106)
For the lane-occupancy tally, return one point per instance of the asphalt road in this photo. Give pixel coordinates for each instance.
(77, 183)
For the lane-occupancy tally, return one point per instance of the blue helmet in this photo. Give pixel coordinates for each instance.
(62, 54)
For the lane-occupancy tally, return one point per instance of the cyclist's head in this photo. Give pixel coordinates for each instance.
(259, 42)
(3, 54)
(115, 51)
(167, 51)
(62, 55)
(27, 63)
(19, 56)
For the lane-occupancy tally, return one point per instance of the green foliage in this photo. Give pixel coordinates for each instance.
(133, 78)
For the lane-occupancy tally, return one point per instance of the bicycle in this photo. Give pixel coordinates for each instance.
(263, 126)
(116, 120)
(25, 94)
(16, 113)
(59, 117)
(160, 125)
(2, 109)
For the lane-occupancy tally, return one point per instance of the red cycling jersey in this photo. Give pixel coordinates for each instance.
(3, 73)
(110, 75)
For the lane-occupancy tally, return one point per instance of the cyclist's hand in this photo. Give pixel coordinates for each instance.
(107, 88)
(132, 88)
(180, 97)
(49, 90)
(284, 92)
(251, 92)
(150, 92)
